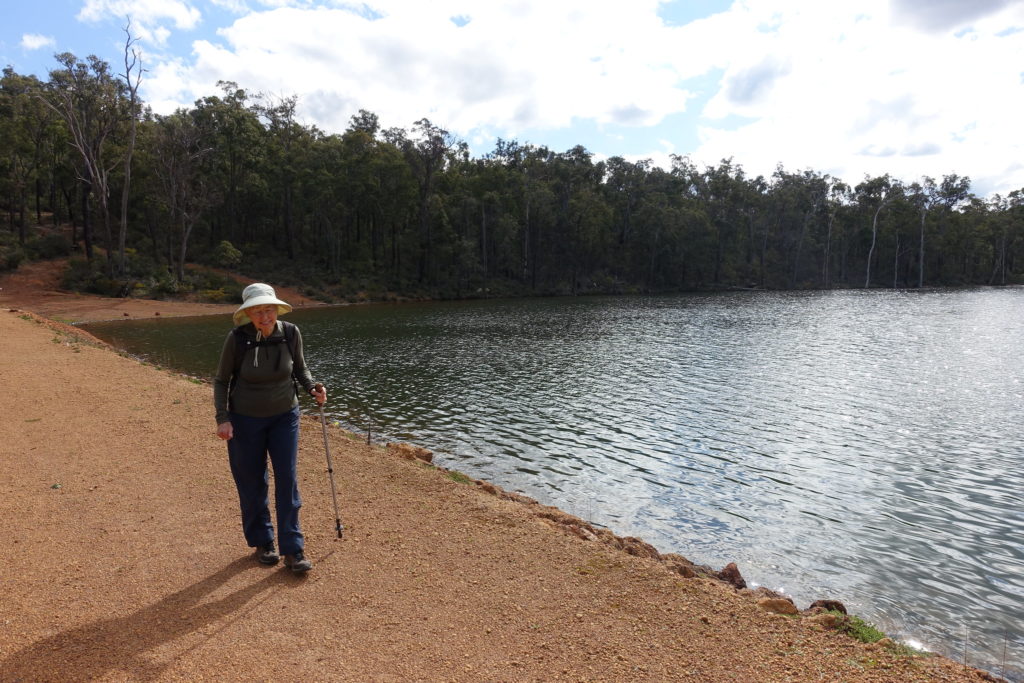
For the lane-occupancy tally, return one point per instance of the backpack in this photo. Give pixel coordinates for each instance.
(243, 343)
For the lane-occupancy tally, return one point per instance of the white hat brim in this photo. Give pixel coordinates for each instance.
(240, 318)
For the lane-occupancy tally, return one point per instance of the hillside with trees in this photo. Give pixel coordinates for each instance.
(236, 182)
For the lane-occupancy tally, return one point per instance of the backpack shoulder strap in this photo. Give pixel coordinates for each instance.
(290, 337)
(242, 344)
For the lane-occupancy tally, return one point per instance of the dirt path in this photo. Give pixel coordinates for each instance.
(36, 287)
(123, 560)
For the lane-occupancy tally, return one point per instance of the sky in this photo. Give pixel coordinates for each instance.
(911, 88)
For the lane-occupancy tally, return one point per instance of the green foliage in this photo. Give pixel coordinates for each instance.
(226, 256)
(10, 257)
(458, 477)
(83, 275)
(238, 182)
(214, 296)
(48, 246)
(11, 254)
(857, 628)
(146, 279)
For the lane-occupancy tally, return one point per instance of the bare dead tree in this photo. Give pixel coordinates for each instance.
(132, 78)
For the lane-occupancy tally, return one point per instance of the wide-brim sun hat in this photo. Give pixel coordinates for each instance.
(258, 294)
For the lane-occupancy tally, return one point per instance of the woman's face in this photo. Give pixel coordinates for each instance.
(263, 317)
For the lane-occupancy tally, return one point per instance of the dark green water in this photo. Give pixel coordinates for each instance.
(864, 446)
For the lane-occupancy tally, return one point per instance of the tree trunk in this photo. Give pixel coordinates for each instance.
(920, 253)
(86, 221)
(874, 239)
(896, 263)
(828, 253)
(22, 215)
(69, 201)
(483, 237)
(186, 231)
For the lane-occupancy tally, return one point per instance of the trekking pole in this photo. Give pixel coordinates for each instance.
(330, 467)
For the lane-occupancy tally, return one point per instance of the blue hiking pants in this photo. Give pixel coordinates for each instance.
(254, 438)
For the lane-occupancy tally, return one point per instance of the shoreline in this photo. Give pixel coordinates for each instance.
(574, 591)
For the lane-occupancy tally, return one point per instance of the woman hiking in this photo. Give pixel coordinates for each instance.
(255, 393)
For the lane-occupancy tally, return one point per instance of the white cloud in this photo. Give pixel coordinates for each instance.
(510, 65)
(34, 41)
(233, 6)
(149, 18)
(849, 89)
(861, 95)
(947, 15)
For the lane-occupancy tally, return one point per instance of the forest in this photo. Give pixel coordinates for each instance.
(163, 205)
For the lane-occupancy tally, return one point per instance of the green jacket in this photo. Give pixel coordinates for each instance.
(264, 387)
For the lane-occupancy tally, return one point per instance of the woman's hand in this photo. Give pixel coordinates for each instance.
(225, 431)
(319, 392)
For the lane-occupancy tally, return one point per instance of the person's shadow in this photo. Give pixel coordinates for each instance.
(121, 644)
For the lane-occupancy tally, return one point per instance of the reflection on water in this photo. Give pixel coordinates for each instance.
(865, 446)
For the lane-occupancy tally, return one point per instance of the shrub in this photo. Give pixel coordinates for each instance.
(226, 255)
(11, 258)
(215, 296)
(77, 275)
(48, 246)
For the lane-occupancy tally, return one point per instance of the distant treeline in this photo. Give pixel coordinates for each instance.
(237, 182)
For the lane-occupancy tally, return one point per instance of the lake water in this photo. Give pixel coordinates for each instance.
(866, 446)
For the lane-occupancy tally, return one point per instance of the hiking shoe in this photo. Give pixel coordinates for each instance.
(298, 563)
(266, 553)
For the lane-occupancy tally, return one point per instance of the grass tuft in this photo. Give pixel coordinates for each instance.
(857, 628)
(458, 477)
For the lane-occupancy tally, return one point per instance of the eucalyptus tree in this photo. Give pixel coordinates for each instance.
(928, 197)
(427, 157)
(528, 199)
(661, 224)
(1015, 219)
(970, 241)
(237, 147)
(903, 218)
(358, 183)
(287, 143)
(91, 101)
(802, 197)
(397, 204)
(691, 184)
(589, 220)
(952, 193)
(34, 147)
(346, 199)
(726, 194)
(626, 184)
(179, 151)
(839, 195)
(924, 195)
(875, 194)
(8, 134)
(1011, 236)
(23, 126)
(479, 207)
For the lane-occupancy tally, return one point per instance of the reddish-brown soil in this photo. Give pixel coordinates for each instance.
(122, 556)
